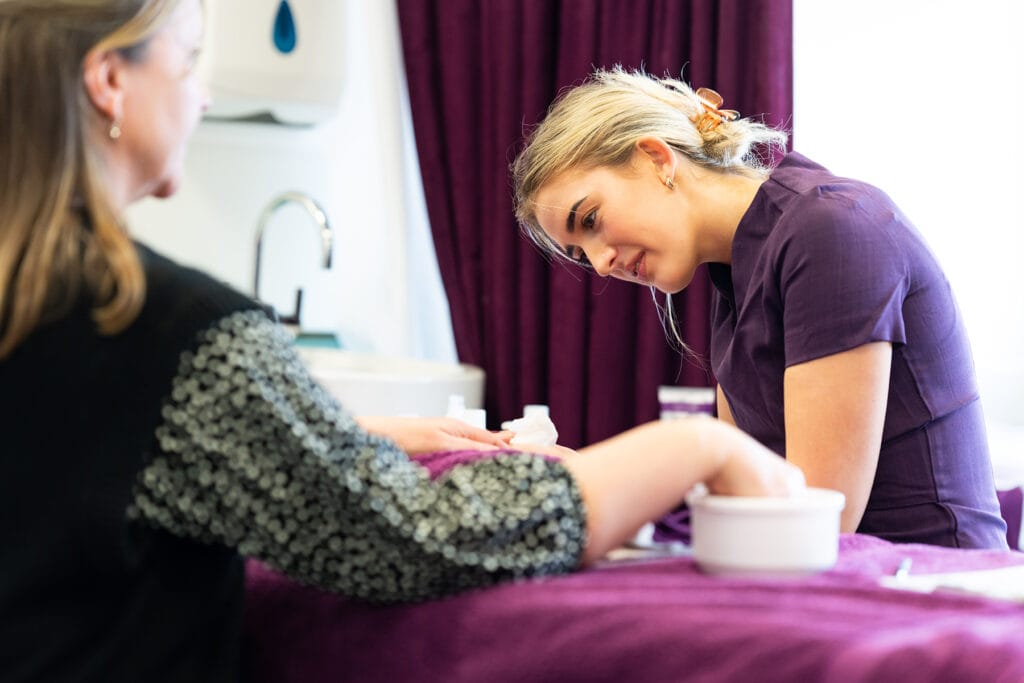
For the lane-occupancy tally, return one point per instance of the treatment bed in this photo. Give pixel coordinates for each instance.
(655, 619)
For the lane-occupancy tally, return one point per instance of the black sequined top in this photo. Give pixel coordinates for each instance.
(136, 470)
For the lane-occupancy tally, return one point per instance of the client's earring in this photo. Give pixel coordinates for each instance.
(115, 130)
(669, 184)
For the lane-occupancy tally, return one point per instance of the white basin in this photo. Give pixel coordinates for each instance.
(369, 384)
(771, 536)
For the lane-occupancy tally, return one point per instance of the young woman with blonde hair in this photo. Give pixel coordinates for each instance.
(835, 338)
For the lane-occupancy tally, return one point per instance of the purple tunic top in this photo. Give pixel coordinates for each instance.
(821, 265)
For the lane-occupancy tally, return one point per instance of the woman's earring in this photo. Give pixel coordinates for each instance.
(115, 130)
(669, 184)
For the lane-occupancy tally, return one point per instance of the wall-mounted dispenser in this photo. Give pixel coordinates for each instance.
(281, 59)
(387, 297)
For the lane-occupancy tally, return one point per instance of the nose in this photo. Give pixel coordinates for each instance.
(602, 257)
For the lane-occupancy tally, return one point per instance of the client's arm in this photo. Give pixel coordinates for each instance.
(641, 474)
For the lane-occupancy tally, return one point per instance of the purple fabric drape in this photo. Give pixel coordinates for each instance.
(479, 72)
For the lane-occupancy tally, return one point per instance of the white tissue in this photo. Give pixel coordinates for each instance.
(534, 428)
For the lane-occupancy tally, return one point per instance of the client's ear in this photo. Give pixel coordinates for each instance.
(102, 76)
(658, 152)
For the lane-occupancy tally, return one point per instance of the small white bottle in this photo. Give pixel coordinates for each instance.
(472, 416)
(456, 406)
(476, 417)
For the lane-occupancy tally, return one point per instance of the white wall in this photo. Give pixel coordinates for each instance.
(384, 292)
(923, 98)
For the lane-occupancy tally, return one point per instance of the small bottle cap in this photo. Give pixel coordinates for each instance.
(535, 409)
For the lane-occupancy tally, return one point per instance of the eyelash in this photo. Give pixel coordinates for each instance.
(576, 254)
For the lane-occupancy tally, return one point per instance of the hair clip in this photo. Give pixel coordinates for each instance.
(712, 116)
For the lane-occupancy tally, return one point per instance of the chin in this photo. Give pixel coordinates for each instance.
(674, 287)
(166, 188)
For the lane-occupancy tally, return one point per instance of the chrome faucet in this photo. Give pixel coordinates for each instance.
(319, 217)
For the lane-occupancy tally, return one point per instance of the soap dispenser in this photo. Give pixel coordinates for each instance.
(283, 62)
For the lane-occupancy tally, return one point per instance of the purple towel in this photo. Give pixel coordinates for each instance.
(1011, 503)
(660, 620)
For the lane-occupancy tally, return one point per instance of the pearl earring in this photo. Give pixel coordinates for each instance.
(115, 130)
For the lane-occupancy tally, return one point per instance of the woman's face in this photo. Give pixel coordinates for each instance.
(164, 100)
(625, 222)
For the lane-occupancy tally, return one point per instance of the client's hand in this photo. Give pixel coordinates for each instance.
(420, 435)
(750, 469)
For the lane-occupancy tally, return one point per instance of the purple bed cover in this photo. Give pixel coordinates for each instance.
(651, 620)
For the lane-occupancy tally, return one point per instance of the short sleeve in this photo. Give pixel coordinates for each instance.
(842, 277)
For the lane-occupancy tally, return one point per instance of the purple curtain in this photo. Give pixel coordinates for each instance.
(479, 71)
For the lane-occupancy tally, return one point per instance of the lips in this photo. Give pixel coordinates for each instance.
(639, 270)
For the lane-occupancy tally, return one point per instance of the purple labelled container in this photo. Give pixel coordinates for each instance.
(677, 402)
(683, 401)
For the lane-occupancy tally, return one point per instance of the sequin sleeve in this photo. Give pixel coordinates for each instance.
(252, 453)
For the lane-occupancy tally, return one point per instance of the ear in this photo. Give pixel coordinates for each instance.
(657, 152)
(102, 75)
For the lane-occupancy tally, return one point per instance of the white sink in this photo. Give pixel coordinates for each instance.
(369, 384)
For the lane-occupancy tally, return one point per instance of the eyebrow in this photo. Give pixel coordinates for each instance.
(570, 221)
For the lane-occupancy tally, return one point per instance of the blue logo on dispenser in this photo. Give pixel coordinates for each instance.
(284, 29)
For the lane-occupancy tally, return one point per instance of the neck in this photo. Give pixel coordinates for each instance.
(724, 199)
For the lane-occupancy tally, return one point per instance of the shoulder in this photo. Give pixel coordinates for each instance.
(813, 196)
(164, 274)
(822, 212)
(835, 234)
(176, 289)
(183, 301)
